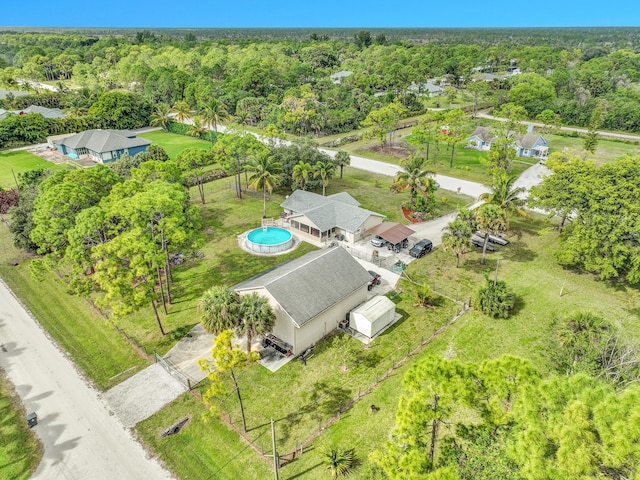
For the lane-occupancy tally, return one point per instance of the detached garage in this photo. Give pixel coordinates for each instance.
(373, 316)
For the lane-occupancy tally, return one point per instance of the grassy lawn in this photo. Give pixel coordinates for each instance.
(527, 265)
(95, 346)
(20, 450)
(607, 150)
(20, 161)
(174, 143)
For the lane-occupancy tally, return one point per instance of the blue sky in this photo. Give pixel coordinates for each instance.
(320, 13)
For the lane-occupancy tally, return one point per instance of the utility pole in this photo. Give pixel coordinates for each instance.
(273, 444)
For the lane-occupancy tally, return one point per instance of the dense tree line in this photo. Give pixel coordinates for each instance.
(286, 82)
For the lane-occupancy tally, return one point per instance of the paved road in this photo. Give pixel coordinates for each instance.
(81, 439)
(603, 133)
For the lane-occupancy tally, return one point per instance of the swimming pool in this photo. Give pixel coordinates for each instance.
(269, 240)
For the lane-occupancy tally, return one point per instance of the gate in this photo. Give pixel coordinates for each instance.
(173, 371)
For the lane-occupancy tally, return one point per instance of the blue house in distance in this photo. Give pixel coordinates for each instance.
(102, 146)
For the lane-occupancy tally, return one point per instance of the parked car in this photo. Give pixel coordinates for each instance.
(375, 280)
(398, 246)
(497, 239)
(421, 248)
(378, 241)
(479, 242)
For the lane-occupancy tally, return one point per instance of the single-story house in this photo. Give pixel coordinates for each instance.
(481, 138)
(14, 93)
(428, 89)
(102, 146)
(317, 219)
(311, 294)
(531, 144)
(44, 111)
(339, 76)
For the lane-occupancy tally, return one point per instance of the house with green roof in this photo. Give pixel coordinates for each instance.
(317, 219)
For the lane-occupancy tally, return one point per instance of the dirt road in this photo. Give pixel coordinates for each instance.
(81, 439)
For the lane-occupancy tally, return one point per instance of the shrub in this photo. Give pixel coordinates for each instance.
(495, 298)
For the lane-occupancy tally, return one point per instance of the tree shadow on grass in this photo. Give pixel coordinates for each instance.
(176, 334)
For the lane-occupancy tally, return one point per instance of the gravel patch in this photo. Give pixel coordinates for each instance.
(142, 395)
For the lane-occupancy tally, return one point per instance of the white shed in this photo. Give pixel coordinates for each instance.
(372, 316)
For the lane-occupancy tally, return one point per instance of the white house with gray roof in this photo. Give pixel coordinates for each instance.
(102, 146)
(318, 219)
(311, 294)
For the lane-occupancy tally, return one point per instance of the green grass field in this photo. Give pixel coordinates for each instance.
(606, 151)
(20, 450)
(18, 161)
(174, 143)
(96, 347)
(526, 265)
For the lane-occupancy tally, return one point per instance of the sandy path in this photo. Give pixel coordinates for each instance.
(81, 439)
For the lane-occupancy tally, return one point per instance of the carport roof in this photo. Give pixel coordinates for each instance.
(393, 232)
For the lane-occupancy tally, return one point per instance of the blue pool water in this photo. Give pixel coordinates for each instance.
(269, 236)
(269, 240)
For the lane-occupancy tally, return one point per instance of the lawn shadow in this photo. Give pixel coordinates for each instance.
(304, 472)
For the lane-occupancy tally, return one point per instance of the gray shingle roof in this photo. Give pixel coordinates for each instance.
(338, 210)
(528, 140)
(101, 141)
(484, 133)
(311, 284)
(45, 112)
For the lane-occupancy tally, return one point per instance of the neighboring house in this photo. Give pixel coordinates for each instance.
(317, 219)
(490, 77)
(339, 76)
(427, 89)
(531, 144)
(102, 146)
(311, 294)
(15, 93)
(481, 138)
(45, 112)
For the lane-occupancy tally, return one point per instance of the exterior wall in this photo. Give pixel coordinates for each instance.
(315, 330)
(306, 236)
(370, 222)
(135, 150)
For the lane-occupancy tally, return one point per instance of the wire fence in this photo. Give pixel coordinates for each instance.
(301, 427)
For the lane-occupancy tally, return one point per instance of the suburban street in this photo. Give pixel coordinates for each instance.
(81, 438)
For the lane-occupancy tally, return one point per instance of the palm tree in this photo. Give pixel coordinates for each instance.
(219, 309)
(257, 316)
(198, 128)
(342, 159)
(324, 171)
(161, 117)
(339, 461)
(413, 177)
(264, 174)
(213, 113)
(242, 119)
(504, 195)
(301, 173)
(456, 238)
(490, 219)
(182, 111)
